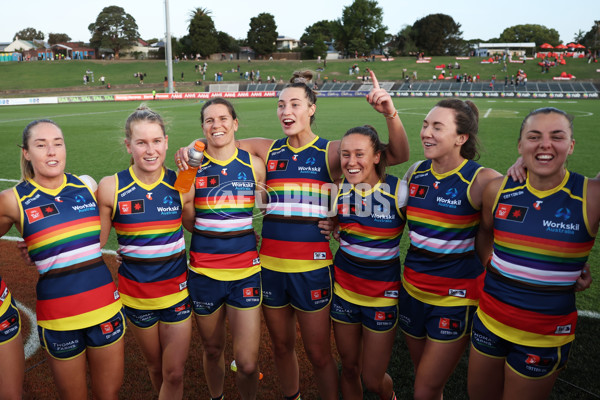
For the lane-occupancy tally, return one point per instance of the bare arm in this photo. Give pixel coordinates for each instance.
(517, 171)
(106, 198)
(398, 149)
(260, 172)
(188, 214)
(9, 211)
(483, 178)
(485, 234)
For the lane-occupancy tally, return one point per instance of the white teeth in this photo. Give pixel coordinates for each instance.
(353, 171)
(428, 144)
(151, 159)
(52, 163)
(288, 121)
(218, 134)
(544, 157)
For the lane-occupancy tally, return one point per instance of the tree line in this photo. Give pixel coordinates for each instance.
(358, 31)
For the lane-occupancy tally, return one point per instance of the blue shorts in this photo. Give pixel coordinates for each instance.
(439, 323)
(148, 318)
(376, 319)
(10, 323)
(305, 291)
(528, 362)
(65, 345)
(208, 295)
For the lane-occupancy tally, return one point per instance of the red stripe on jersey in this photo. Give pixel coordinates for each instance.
(540, 243)
(54, 230)
(440, 285)
(525, 320)
(151, 290)
(362, 286)
(69, 306)
(293, 250)
(440, 216)
(144, 226)
(223, 261)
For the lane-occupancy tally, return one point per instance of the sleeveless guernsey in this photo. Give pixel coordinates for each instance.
(61, 228)
(367, 264)
(147, 220)
(541, 241)
(441, 267)
(223, 244)
(298, 186)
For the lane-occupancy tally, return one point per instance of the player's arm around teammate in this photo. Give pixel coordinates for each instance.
(145, 209)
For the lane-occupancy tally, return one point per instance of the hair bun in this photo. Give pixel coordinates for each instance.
(304, 76)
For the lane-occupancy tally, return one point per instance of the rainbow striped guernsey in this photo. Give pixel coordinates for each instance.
(541, 241)
(147, 219)
(299, 189)
(367, 264)
(441, 267)
(223, 244)
(61, 228)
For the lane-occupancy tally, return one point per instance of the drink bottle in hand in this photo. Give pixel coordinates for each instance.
(186, 178)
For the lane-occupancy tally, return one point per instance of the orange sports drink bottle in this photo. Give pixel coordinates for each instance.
(184, 180)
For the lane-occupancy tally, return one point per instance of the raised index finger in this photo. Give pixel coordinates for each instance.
(374, 79)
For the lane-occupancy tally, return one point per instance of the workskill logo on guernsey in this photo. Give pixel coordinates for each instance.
(131, 207)
(37, 213)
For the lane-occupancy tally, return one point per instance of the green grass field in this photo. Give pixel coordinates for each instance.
(94, 137)
(59, 74)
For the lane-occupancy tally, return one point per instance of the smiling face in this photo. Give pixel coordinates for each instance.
(47, 153)
(358, 159)
(148, 146)
(219, 126)
(295, 111)
(439, 136)
(546, 141)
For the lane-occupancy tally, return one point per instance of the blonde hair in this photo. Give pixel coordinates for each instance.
(27, 171)
(142, 113)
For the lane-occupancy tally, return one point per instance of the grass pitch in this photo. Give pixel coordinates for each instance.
(94, 135)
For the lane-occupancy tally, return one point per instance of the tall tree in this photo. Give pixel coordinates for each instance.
(591, 39)
(262, 34)
(54, 38)
(437, 34)
(202, 37)
(29, 34)
(114, 29)
(403, 42)
(361, 23)
(227, 43)
(528, 33)
(321, 30)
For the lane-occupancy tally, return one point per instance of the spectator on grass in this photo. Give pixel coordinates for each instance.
(525, 324)
(78, 308)
(152, 249)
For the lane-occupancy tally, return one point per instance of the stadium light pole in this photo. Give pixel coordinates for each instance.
(168, 53)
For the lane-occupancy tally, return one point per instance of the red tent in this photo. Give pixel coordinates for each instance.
(561, 47)
(546, 46)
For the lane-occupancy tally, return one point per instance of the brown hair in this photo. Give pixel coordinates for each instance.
(548, 110)
(377, 145)
(218, 100)
(301, 79)
(26, 167)
(466, 118)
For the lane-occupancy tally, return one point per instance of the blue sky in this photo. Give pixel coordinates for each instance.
(477, 18)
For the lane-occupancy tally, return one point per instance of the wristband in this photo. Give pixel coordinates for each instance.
(391, 116)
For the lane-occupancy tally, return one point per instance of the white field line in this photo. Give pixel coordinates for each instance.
(487, 113)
